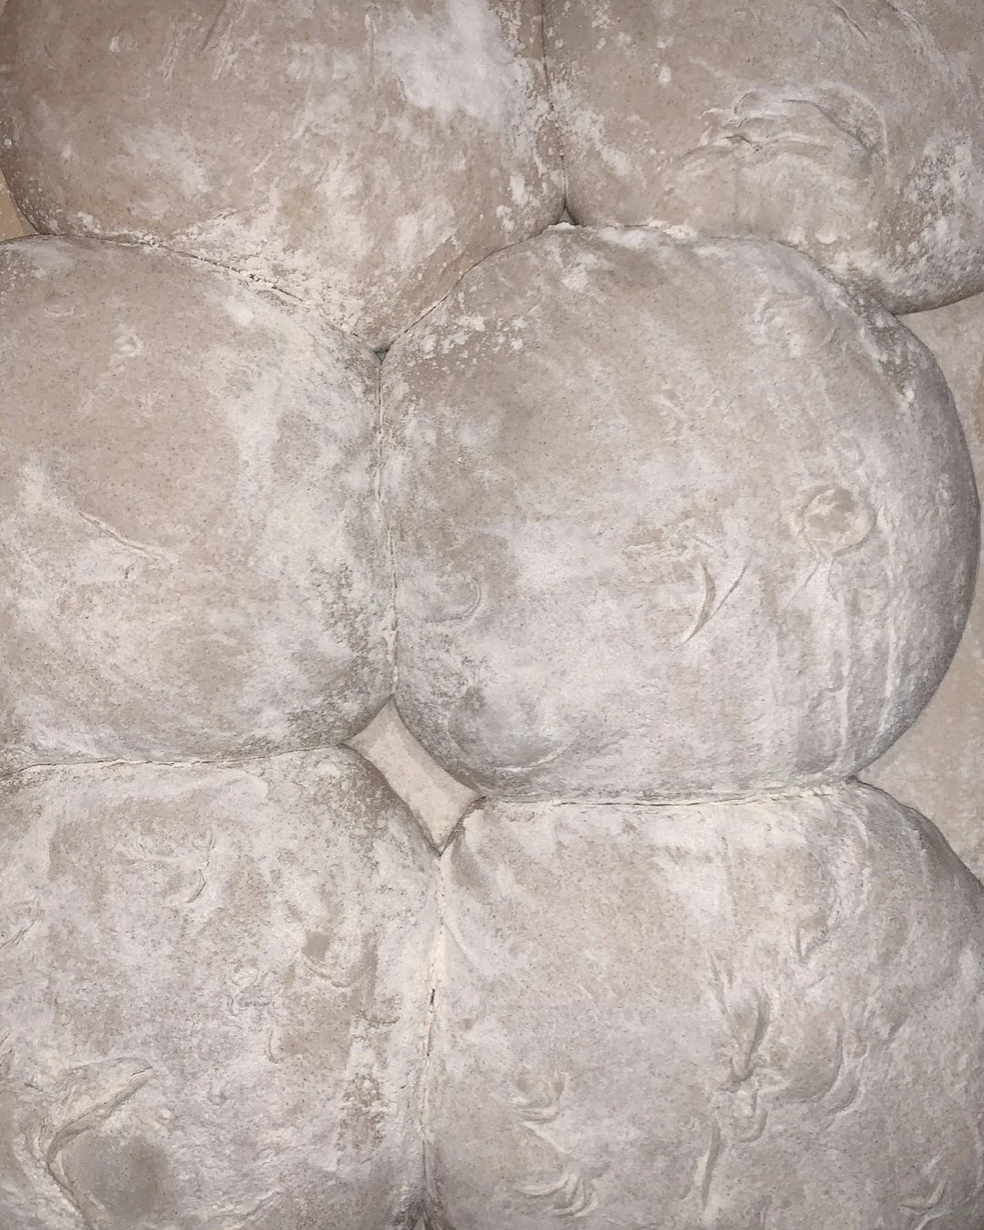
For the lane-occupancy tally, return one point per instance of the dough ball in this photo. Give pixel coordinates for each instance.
(672, 520)
(752, 1014)
(213, 990)
(852, 131)
(192, 554)
(361, 156)
(936, 765)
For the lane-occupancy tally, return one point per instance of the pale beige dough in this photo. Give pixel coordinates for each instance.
(213, 998)
(359, 155)
(194, 563)
(938, 765)
(756, 1015)
(671, 520)
(853, 131)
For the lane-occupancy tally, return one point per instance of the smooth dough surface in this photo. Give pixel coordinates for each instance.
(761, 1015)
(938, 765)
(193, 558)
(213, 997)
(853, 131)
(359, 155)
(671, 520)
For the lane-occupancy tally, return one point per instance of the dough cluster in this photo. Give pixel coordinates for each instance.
(439, 641)
(361, 156)
(854, 131)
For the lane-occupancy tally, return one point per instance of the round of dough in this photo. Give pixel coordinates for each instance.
(937, 765)
(853, 131)
(360, 155)
(193, 558)
(672, 520)
(12, 225)
(213, 997)
(752, 1015)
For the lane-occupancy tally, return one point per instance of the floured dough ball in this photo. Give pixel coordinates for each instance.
(359, 155)
(672, 520)
(852, 131)
(765, 1014)
(213, 997)
(192, 554)
(937, 765)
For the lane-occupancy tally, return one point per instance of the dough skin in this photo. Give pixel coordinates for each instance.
(757, 1015)
(361, 156)
(672, 522)
(937, 765)
(214, 990)
(672, 519)
(193, 556)
(853, 131)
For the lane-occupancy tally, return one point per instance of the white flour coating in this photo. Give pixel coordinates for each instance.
(938, 765)
(671, 520)
(760, 1015)
(193, 555)
(212, 1014)
(359, 156)
(456, 62)
(853, 131)
(711, 1009)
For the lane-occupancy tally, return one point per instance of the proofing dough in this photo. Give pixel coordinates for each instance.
(672, 520)
(213, 983)
(756, 1015)
(192, 554)
(853, 131)
(359, 155)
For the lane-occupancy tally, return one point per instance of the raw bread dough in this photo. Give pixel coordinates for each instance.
(767, 1014)
(938, 765)
(193, 558)
(853, 131)
(671, 520)
(359, 155)
(213, 997)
